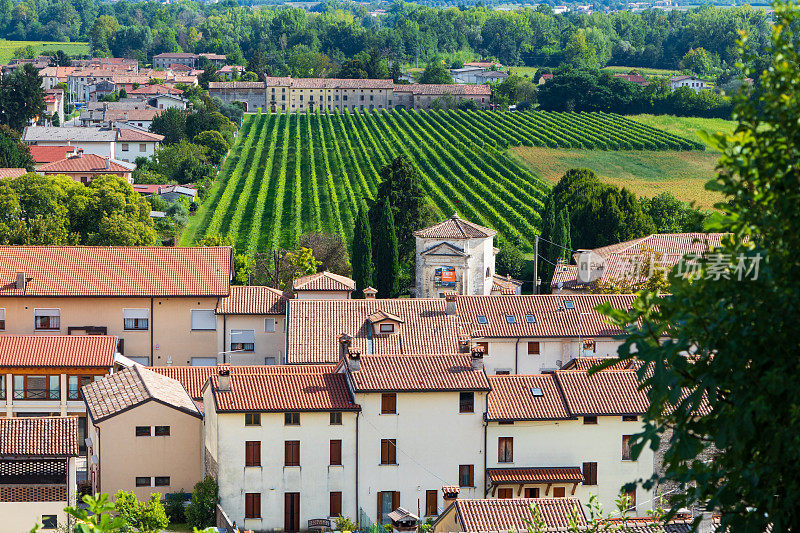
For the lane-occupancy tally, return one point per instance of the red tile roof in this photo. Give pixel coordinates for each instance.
(455, 228)
(85, 351)
(514, 514)
(544, 474)
(155, 89)
(48, 154)
(212, 85)
(12, 172)
(456, 89)
(284, 391)
(194, 377)
(512, 398)
(610, 392)
(43, 436)
(132, 135)
(551, 315)
(585, 363)
(134, 386)
(324, 281)
(253, 300)
(505, 285)
(315, 326)
(115, 271)
(410, 373)
(84, 163)
(179, 55)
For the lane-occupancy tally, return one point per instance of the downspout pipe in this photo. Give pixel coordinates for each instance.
(516, 356)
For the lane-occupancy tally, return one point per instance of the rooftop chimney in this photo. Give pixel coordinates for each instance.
(370, 292)
(463, 346)
(450, 494)
(477, 358)
(21, 281)
(354, 361)
(450, 305)
(80, 152)
(108, 163)
(344, 345)
(224, 373)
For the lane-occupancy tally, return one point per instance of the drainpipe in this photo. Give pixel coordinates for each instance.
(516, 356)
(224, 339)
(485, 427)
(357, 514)
(152, 327)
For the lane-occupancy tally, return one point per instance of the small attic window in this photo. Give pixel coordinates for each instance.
(569, 304)
(511, 319)
(530, 319)
(536, 391)
(482, 319)
(386, 328)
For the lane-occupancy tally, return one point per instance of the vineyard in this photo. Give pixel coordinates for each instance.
(290, 174)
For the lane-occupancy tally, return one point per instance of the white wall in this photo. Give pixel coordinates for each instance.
(508, 354)
(21, 516)
(134, 150)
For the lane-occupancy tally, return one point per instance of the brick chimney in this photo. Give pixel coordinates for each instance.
(370, 292)
(224, 374)
(450, 494)
(345, 341)
(450, 304)
(21, 281)
(477, 358)
(354, 361)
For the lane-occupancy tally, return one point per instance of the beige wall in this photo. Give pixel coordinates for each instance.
(19, 517)
(268, 344)
(123, 456)
(323, 295)
(172, 337)
(448, 522)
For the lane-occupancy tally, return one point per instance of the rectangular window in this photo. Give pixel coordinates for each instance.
(466, 402)
(292, 453)
(49, 521)
(386, 328)
(505, 449)
(124, 147)
(533, 348)
(162, 431)
(47, 319)
(559, 492)
(388, 451)
(336, 504)
(162, 481)
(505, 494)
(291, 419)
(203, 361)
(143, 431)
(252, 453)
(252, 505)
(532, 492)
(74, 384)
(511, 319)
(269, 325)
(630, 418)
(589, 420)
(252, 419)
(336, 453)
(626, 448)
(590, 473)
(388, 403)
(631, 500)
(135, 319)
(2, 319)
(203, 320)
(336, 418)
(431, 503)
(243, 340)
(142, 481)
(142, 147)
(466, 475)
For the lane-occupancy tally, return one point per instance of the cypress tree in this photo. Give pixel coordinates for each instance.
(363, 269)
(387, 263)
(564, 234)
(547, 251)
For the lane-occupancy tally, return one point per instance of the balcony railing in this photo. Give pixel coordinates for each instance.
(37, 394)
(73, 394)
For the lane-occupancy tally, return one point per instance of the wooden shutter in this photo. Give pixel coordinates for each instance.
(252, 505)
(505, 493)
(559, 492)
(431, 503)
(384, 452)
(292, 453)
(505, 449)
(396, 500)
(380, 509)
(533, 348)
(590, 473)
(392, 449)
(388, 403)
(336, 453)
(336, 504)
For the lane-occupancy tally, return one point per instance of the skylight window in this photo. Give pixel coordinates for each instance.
(482, 319)
(536, 391)
(511, 319)
(569, 304)
(530, 319)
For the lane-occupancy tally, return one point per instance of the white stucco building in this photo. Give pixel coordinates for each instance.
(454, 255)
(693, 82)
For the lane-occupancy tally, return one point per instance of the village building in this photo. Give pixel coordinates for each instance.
(169, 193)
(84, 168)
(48, 154)
(38, 475)
(159, 302)
(54, 104)
(145, 434)
(95, 141)
(693, 82)
(133, 142)
(164, 60)
(324, 286)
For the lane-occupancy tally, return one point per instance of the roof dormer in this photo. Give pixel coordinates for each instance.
(384, 323)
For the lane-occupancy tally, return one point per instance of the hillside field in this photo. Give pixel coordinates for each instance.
(686, 126)
(7, 48)
(289, 174)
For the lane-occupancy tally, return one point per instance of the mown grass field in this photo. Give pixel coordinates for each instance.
(7, 48)
(686, 126)
(288, 174)
(645, 173)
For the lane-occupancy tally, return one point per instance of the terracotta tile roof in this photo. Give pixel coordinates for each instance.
(176, 55)
(511, 514)
(132, 135)
(505, 285)
(134, 386)
(649, 525)
(209, 55)
(156, 89)
(611, 392)
(284, 391)
(85, 163)
(380, 316)
(45, 436)
(335, 83)
(84, 351)
(194, 377)
(315, 326)
(324, 281)
(115, 271)
(454, 228)
(585, 363)
(48, 154)
(131, 114)
(456, 89)
(408, 373)
(543, 474)
(236, 85)
(552, 317)
(12, 172)
(253, 300)
(512, 398)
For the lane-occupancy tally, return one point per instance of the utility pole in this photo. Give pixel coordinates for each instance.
(535, 264)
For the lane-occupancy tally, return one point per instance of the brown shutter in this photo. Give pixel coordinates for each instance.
(336, 504)
(292, 453)
(396, 500)
(384, 452)
(336, 453)
(380, 511)
(287, 455)
(431, 503)
(392, 449)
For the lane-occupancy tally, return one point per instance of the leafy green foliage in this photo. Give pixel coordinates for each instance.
(363, 268)
(436, 72)
(385, 252)
(329, 250)
(670, 215)
(21, 97)
(215, 143)
(97, 517)
(730, 411)
(148, 517)
(510, 261)
(14, 153)
(201, 511)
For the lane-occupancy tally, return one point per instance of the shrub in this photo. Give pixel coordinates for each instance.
(174, 506)
(201, 511)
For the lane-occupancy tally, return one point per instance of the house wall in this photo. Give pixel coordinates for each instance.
(314, 479)
(433, 439)
(124, 456)
(323, 295)
(252, 98)
(268, 344)
(508, 354)
(21, 516)
(471, 272)
(448, 522)
(170, 321)
(135, 150)
(571, 443)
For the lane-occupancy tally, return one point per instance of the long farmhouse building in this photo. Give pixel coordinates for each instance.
(287, 94)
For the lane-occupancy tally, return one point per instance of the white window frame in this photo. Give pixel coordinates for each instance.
(390, 326)
(44, 312)
(140, 314)
(125, 147)
(270, 325)
(193, 321)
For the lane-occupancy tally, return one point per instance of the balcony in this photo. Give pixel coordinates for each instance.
(37, 394)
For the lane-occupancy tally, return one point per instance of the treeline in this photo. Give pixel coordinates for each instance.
(407, 33)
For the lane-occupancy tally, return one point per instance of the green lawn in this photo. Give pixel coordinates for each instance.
(686, 126)
(7, 48)
(645, 173)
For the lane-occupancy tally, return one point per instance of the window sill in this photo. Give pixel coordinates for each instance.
(391, 414)
(201, 330)
(254, 466)
(47, 329)
(136, 329)
(467, 412)
(388, 464)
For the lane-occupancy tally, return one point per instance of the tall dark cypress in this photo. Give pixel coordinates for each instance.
(363, 269)
(387, 262)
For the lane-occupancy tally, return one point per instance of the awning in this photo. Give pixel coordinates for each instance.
(536, 474)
